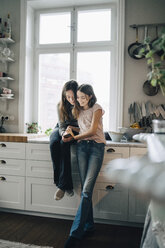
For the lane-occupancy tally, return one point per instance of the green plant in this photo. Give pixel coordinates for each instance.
(33, 127)
(48, 131)
(155, 63)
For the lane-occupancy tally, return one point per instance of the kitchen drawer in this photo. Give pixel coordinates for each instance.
(110, 154)
(43, 169)
(12, 167)
(40, 197)
(38, 152)
(12, 190)
(110, 201)
(12, 150)
(137, 151)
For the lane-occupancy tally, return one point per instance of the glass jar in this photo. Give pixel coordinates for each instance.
(158, 126)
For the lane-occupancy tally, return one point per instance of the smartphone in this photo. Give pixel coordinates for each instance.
(67, 135)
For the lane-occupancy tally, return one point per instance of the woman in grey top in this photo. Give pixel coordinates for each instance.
(60, 143)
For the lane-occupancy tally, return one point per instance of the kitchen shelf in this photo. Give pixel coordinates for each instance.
(6, 40)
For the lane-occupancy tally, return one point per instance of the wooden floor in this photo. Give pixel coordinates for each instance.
(54, 232)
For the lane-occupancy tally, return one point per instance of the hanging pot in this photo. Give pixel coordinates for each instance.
(150, 90)
(136, 51)
(134, 45)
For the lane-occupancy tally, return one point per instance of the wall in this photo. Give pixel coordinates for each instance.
(10, 107)
(139, 12)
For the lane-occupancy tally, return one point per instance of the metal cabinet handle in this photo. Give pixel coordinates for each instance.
(2, 178)
(110, 150)
(2, 162)
(2, 145)
(109, 187)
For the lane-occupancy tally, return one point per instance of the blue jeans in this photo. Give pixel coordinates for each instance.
(90, 157)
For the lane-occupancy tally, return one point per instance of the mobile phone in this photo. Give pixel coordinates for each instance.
(67, 135)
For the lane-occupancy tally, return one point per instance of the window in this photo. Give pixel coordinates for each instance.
(78, 43)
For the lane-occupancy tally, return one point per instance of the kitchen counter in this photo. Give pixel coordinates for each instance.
(45, 140)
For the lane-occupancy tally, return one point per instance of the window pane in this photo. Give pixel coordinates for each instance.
(55, 28)
(94, 68)
(94, 25)
(54, 70)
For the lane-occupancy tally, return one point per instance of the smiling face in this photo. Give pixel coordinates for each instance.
(83, 99)
(70, 97)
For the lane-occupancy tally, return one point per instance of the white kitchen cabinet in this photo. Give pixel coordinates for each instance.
(40, 197)
(110, 201)
(12, 175)
(12, 150)
(138, 204)
(110, 154)
(27, 177)
(131, 206)
(40, 187)
(38, 152)
(137, 151)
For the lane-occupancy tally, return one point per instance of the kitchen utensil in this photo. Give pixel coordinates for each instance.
(115, 136)
(7, 95)
(143, 114)
(150, 90)
(131, 113)
(159, 126)
(134, 45)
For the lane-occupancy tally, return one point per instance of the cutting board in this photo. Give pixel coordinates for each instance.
(19, 137)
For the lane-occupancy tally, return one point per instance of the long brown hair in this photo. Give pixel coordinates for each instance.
(88, 90)
(64, 107)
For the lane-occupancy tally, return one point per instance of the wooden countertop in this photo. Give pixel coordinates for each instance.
(19, 137)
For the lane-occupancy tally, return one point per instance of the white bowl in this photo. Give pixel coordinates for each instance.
(115, 136)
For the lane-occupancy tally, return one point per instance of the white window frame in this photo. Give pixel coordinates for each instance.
(117, 53)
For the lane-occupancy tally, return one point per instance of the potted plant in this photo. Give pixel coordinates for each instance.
(154, 52)
(33, 127)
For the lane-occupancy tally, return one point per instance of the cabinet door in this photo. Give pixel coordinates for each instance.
(40, 197)
(12, 167)
(12, 150)
(110, 201)
(137, 151)
(137, 207)
(12, 192)
(110, 154)
(38, 152)
(137, 203)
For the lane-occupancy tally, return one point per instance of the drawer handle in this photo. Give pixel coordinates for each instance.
(109, 187)
(2, 145)
(2, 178)
(110, 150)
(2, 162)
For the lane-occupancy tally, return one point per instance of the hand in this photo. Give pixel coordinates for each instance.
(69, 130)
(67, 139)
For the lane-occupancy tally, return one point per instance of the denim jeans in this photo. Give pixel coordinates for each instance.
(60, 155)
(90, 157)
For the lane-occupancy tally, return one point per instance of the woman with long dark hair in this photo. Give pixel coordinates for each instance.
(60, 142)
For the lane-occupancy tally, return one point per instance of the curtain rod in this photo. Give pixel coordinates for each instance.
(144, 25)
